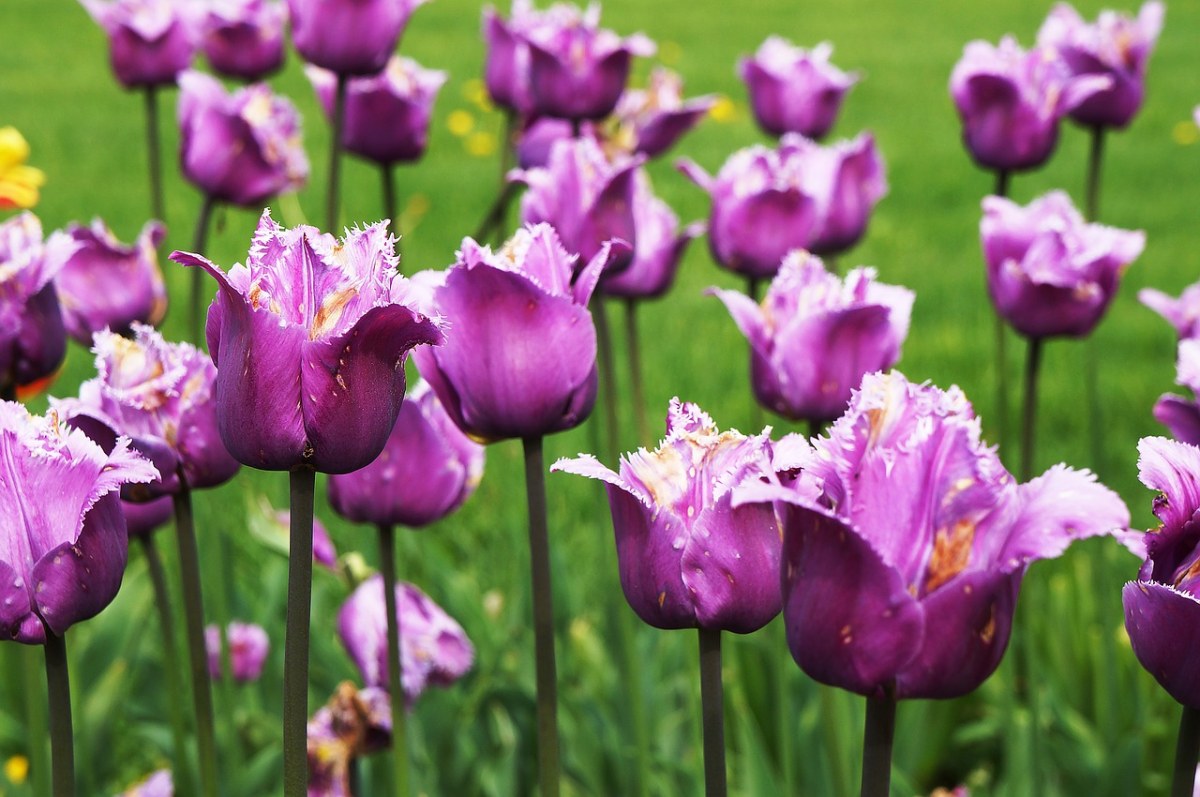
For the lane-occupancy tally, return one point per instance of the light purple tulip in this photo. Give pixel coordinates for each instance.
(309, 338)
(649, 121)
(244, 38)
(354, 723)
(159, 784)
(426, 471)
(1011, 101)
(33, 340)
(350, 37)
(1049, 272)
(241, 148)
(793, 90)
(902, 576)
(521, 361)
(1178, 414)
(1162, 607)
(1114, 46)
(848, 179)
(150, 41)
(106, 284)
(1182, 313)
(248, 648)
(815, 336)
(387, 115)
(63, 544)
(434, 649)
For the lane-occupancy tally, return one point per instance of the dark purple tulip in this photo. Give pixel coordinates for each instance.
(352, 724)
(1011, 101)
(903, 574)
(350, 37)
(793, 90)
(539, 135)
(150, 41)
(248, 648)
(242, 147)
(506, 70)
(434, 649)
(1181, 415)
(521, 361)
(109, 285)
(1049, 272)
(1116, 47)
(1182, 313)
(309, 338)
(244, 38)
(814, 337)
(387, 115)
(649, 121)
(145, 517)
(64, 546)
(426, 471)
(1162, 607)
(33, 340)
(688, 558)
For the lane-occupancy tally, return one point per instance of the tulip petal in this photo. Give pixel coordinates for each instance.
(15, 607)
(1180, 416)
(1161, 622)
(748, 316)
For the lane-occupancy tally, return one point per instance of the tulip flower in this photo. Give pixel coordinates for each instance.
(506, 65)
(349, 37)
(150, 41)
(793, 90)
(19, 183)
(248, 648)
(660, 245)
(143, 518)
(541, 134)
(649, 121)
(1182, 416)
(354, 723)
(244, 38)
(106, 284)
(814, 337)
(1183, 312)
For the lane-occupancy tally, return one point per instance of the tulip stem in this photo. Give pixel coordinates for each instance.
(199, 244)
(635, 372)
(754, 289)
(1029, 420)
(193, 612)
(1003, 180)
(608, 379)
(878, 731)
(712, 704)
(1091, 365)
(62, 745)
(1095, 162)
(174, 684)
(1187, 746)
(153, 152)
(543, 619)
(387, 171)
(387, 566)
(302, 484)
(335, 155)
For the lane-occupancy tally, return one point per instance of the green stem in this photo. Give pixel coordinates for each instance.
(1029, 418)
(754, 288)
(608, 379)
(387, 566)
(543, 619)
(335, 155)
(153, 152)
(199, 244)
(877, 746)
(62, 745)
(387, 174)
(193, 612)
(1091, 365)
(36, 721)
(1095, 161)
(712, 703)
(1003, 180)
(635, 372)
(1187, 746)
(295, 644)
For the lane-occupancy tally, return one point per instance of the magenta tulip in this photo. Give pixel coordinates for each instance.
(793, 90)
(150, 41)
(1183, 312)
(1178, 414)
(649, 121)
(248, 648)
(349, 37)
(244, 38)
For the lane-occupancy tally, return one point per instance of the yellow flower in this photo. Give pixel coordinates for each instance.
(723, 110)
(18, 183)
(16, 768)
(481, 144)
(460, 123)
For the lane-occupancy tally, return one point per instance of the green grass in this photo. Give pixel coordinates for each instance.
(1103, 725)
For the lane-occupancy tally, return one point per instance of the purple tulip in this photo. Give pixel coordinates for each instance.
(1011, 102)
(903, 574)
(649, 121)
(688, 558)
(521, 361)
(352, 724)
(248, 648)
(506, 70)
(159, 784)
(150, 41)
(244, 38)
(539, 135)
(1116, 47)
(106, 284)
(350, 37)
(143, 518)
(1182, 313)
(33, 340)
(814, 337)
(848, 179)
(793, 90)
(387, 116)
(309, 338)
(1180, 415)
(1049, 272)
(64, 548)
(426, 471)
(434, 650)
(1162, 607)
(242, 147)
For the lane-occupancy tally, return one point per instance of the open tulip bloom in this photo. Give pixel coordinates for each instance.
(649, 121)
(793, 90)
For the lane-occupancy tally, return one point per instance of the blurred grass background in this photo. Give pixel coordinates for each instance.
(1099, 724)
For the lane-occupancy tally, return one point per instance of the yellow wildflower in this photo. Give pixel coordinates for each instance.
(18, 183)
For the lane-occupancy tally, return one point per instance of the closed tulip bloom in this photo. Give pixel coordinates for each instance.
(107, 284)
(848, 178)
(659, 250)
(434, 649)
(1183, 312)
(248, 648)
(309, 338)
(244, 38)
(650, 120)
(1114, 46)
(350, 37)
(1181, 415)
(426, 471)
(506, 66)
(521, 361)
(815, 336)
(1049, 272)
(793, 90)
(63, 546)
(387, 115)
(1011, 101)
(240, 148)
(539, 135)
(687, 557)
(150, 41)
(902, 576)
